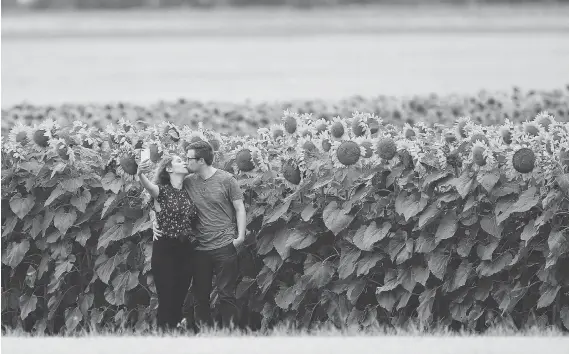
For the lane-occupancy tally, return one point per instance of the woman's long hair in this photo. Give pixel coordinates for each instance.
(161, 176)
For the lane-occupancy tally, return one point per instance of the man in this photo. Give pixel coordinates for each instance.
(221, 217)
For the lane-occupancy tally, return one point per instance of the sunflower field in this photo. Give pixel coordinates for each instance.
(352, 220)
(486, 108)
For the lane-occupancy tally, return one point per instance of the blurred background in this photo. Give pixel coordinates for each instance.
(143, 51)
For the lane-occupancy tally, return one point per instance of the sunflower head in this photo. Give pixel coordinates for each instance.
(409, 132)
(63, 151)
(41, 138)
(291, 172)
(337, 130)
(478, 154)
(460, 126)
(321, 126)
(531, 129)
(359, 127)
(244, 160)
(450, 137)
(171, 132)
(479, 137)
(524, 160)
(373, 124)
(564, 157)
(128, 163)
(386, 148)
(290, 122)
(277, 131)
(368, 147)
(19, 134)
(348, 153)
(544, 120)
(506, 135)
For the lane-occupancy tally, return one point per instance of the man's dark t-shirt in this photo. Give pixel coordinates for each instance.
(217, 224)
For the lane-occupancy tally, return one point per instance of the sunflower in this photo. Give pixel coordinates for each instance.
(277, 131)
(531, 129)
(321, 126)
(346, 153)
(43, 133)
(523, 160)
(386, 148)
(307, 146)
(409, 132)
(292, 169)
(290, 122)
(250, 158)
(20, 134)
(544, 119)
(64, 151)
(323, 142)
(461, 126)
(338, 129)
(359, 124)
(125, 161)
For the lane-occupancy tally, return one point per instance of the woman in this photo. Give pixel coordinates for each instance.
(171, 252)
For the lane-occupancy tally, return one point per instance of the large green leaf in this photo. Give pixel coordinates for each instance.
(15, 253)
(278, 212)
(335, 218)
(447, 226)
(490, 226)
(106, 268)
(21, 206)
(488, 180)
(530, 230)
(319, 274)
(27, 305)
(273, 261)
(527, 200)
(368, 235)
(63, 219)
(427, 216)
(348, 260)
(409, 205)
(368, 261)
(56, 193)
(548, 295)
(564, 315)
(426, 301)
(463, 183)
(122, 283)
(112, 183)
(487, 268)
(420, 274)
(114, 233)
(437, 262)
(81, 200)
(72, 184)
(72, 318)
(485, 250)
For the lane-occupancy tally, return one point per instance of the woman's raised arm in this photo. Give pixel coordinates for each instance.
(152, 188)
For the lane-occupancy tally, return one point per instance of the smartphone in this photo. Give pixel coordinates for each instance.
(144, 154)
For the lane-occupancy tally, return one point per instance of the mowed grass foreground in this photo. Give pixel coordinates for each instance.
(499, 341)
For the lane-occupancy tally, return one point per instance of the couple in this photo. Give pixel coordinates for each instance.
(200, 224)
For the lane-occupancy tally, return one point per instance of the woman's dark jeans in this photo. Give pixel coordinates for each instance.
(224, 262)
(172, 270)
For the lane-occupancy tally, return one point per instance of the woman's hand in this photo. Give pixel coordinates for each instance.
(156, 231)
(144, 167)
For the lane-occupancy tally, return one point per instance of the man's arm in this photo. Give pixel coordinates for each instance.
(241, 219)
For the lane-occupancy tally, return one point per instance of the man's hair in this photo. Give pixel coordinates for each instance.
(203, 151)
